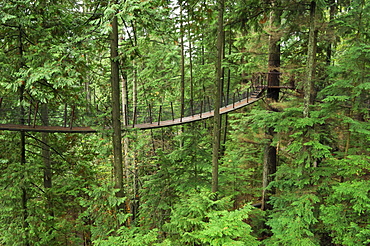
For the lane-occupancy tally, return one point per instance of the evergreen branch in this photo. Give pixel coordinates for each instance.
(52, 148)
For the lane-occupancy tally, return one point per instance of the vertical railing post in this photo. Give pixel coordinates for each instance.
(228, 92)
(1, 101)
(35, 115)
(72, 116)
(201, 108)
(234, 100)
(191, 107)
(182, 110)
(134, 116)
(65, 115)
(209, 103)
(126, 115)
(150, 114)
(173, 115)
(29, 115)
(159, 115)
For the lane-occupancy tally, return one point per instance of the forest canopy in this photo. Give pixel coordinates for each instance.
(152, 122)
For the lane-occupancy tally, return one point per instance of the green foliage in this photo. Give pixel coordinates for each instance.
(293, 219)
(345, 213)
(55, 52)
(240, 168)
(101, 208)
(173, 175)
(134, 236)
(200, 219)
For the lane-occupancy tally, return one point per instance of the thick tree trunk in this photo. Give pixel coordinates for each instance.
(270, 157)
(217, 116)
(116, 121)
(274, 57)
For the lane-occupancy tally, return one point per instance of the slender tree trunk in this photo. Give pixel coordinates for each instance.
(45, 152)
(134, 87)
(309, 94)
(24, 188)
(45, 148)
(182, 80)
(191, 65)
(217, 116)
(23, 143)
(225, 118)
(270, 157)
(332, 11)
(116, 121)
(124, 101)
(269, 168)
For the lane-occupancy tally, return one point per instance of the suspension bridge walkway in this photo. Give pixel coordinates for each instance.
(78, 119)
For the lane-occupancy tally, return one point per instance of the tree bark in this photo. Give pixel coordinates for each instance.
(124, 101)
(45, 152)
(191, 65)
(309, 93)
(269, 169)
(217, 105)
(332, 12)
(274, 55)
(270, 157)
(182, 80)
(116, 121)
(23, 141)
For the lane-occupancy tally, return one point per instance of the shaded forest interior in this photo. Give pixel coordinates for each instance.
(275, 95)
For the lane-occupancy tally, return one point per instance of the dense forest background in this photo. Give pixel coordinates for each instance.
(291, 169)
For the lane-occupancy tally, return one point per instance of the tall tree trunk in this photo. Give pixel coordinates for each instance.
(190, 65)
(217, 105)
(270, 157)
(269, 168)
(309, 83)
(116, 121)
(225, 118)
(309, 93)
(45, 152)
(182, 80)
(126, 147)
(124, 101)
(23, 142)
(332, 11)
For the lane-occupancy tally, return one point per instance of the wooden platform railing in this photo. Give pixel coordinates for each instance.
(73, 118)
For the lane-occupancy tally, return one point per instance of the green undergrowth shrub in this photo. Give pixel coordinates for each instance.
(199, 219)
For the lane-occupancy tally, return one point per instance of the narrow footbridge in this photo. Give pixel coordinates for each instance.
(77, 119)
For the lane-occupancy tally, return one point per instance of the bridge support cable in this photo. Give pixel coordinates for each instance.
(65, 118)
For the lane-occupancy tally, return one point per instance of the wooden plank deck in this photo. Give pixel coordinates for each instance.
(197, 117)
(25, 128)
(167, 123)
